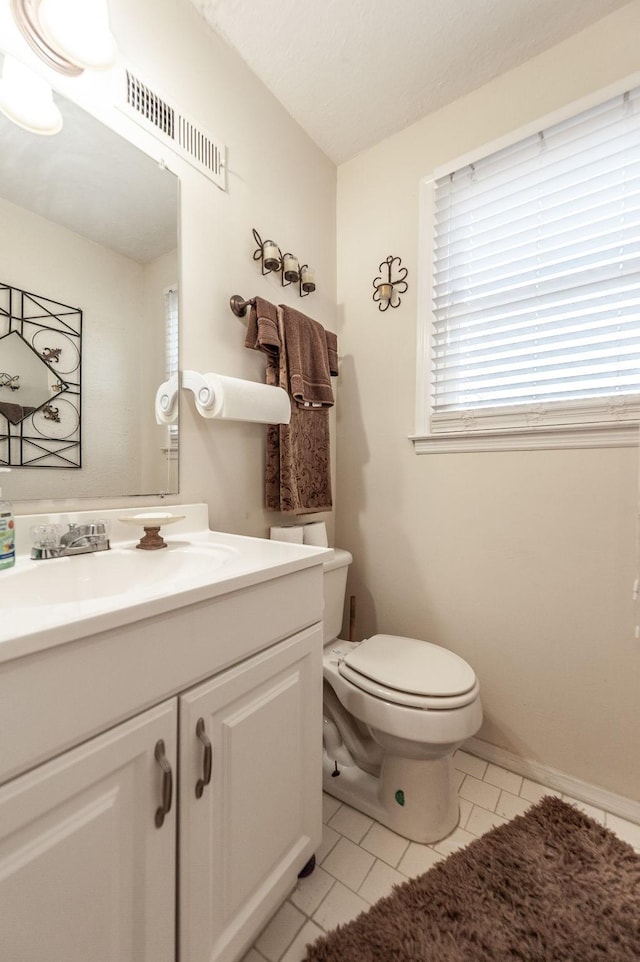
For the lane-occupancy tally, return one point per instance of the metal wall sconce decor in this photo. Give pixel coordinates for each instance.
(12, 381)
(272, 260)
(40, 340)
(390, 284)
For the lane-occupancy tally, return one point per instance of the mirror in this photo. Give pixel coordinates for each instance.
(30, 374)
(88, 220)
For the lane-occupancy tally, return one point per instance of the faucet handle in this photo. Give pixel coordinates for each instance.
(46, 535)
(98, 527)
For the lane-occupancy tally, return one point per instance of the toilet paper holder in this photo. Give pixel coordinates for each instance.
(224, 397)
(236, 399)
(166, 403)
(200, 387)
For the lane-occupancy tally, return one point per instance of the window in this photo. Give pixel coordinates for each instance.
(534, 335)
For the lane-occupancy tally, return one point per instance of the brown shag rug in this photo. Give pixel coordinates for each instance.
(550, 886)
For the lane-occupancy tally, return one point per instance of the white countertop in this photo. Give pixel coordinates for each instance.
(49, 603)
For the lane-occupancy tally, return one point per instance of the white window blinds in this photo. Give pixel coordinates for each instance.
(536, 290)
(171, 347)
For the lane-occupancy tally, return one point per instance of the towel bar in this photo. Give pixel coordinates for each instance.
(238, 304)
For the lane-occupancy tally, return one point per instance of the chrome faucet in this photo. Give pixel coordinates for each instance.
(49, 542)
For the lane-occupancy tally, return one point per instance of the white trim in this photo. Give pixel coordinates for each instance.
(627, 808)
(425, 256)
(530, 439)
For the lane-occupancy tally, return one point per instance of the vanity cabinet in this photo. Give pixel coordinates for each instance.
(85, 874)
(92, 867)
(250, 797)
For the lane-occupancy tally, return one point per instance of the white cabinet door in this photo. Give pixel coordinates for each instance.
(85, 874)
(246, 834)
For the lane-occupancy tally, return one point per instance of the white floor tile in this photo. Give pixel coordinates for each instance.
(297, 950)
(348, 863)
(534, 791)
(351, 823)
(418, 859)
(511, 805)
(597, 814)
(469, 764)
(340, 906)
(280, 932)
(330, 806)
(627, 831)
(480, 793)
(481, 821)
(503, 779)
(384, 844)
(379, 882)
(362, 860)
(458, 839)
(310, 891)
(329, 839)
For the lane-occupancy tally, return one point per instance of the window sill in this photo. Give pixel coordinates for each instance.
(612, 435)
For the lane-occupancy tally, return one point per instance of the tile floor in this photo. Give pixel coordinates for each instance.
(359, 860)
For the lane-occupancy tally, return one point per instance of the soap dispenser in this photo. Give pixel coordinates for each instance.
(7, 532)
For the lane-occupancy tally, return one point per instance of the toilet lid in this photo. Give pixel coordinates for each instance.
(412, 666)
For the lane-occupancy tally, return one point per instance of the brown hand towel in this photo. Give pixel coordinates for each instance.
(307, 358)
(15, 412)
(263, 335)
(332, 352)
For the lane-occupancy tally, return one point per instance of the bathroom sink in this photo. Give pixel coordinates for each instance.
(103, 575)
(46, 603)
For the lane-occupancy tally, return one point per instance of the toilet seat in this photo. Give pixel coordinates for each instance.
(423, 676)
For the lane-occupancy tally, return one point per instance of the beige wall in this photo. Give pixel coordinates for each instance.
(278, 182)
(523, 562)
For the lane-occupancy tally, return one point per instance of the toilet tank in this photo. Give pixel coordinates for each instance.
(334, 587)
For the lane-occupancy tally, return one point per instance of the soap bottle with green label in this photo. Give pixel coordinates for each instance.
(7, 532)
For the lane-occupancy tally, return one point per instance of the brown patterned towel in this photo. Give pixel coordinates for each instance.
(298, 468)
(306, 345)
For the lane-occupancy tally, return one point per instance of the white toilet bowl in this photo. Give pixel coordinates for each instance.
(395, 711)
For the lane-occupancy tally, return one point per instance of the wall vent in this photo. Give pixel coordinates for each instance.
(186, 138)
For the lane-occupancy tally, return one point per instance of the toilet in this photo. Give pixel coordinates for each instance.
(395, 711)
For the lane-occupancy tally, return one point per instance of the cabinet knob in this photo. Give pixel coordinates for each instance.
(207, 760)
(167, 783)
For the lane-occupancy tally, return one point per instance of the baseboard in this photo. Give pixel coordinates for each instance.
(566, 784)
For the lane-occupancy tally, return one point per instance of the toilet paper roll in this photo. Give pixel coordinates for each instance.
(235, 399)
(315, 533)
(287, 532)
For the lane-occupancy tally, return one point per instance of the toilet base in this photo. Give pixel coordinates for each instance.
(415, 798)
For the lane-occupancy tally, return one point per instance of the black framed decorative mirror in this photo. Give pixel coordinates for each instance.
(40, 381)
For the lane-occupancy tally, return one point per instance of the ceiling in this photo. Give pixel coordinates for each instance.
(127, 201)
(352, 72)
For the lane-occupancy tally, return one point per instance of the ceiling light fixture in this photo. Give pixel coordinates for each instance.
(68, 35)
(27, 99)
